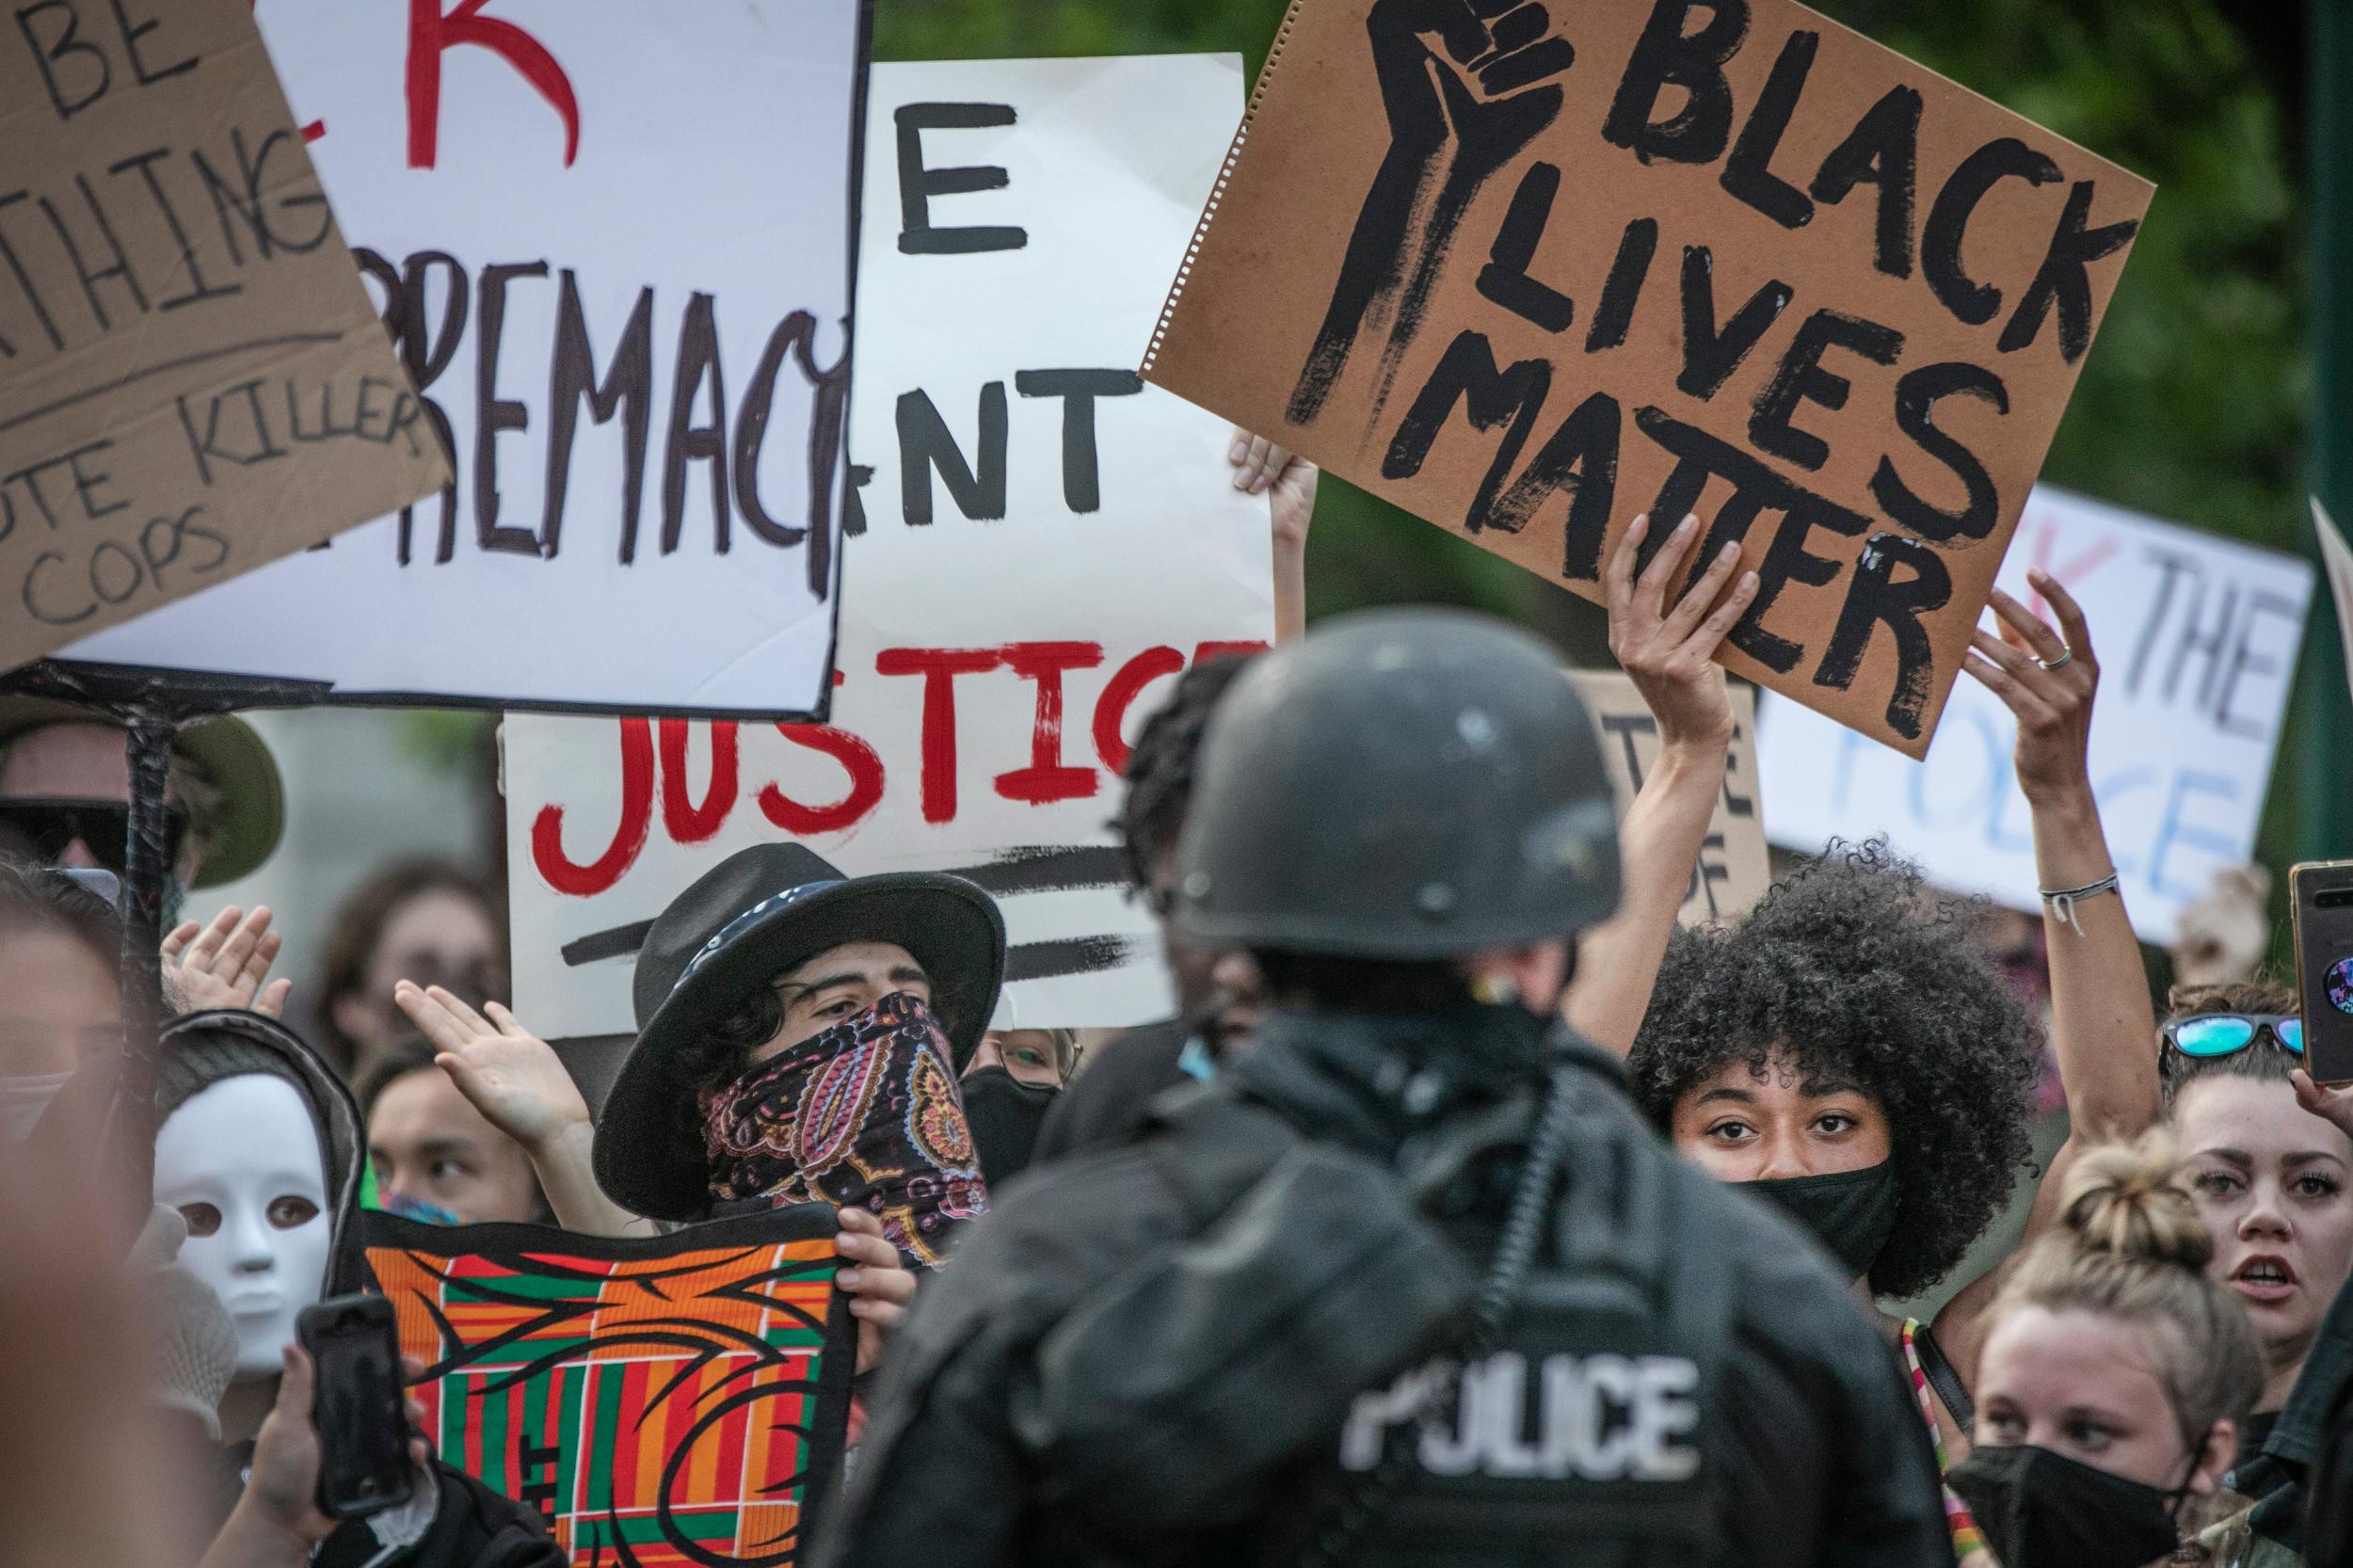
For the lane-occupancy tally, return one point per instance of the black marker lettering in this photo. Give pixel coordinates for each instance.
(1883, 150)
(626, 389)
(1505, 278)
(918, 183)
(1973, 303)
(1748, 174)
(1710, 356)
(698, 354)
(1082, 478)
(493, 414)
(2065, 279)
(1803, 379)
(1627, 271)
(925, 447)
(1582, 458)
(1876, 597)
(1916, 396)
(1669, 53)
(72, 85)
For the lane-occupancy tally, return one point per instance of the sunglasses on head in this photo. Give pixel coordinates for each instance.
(2225, 1034)
(38, 832)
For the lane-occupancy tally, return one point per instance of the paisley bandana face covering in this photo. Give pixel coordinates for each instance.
(867, 1115)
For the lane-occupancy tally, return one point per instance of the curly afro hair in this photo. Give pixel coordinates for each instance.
(1852, 968)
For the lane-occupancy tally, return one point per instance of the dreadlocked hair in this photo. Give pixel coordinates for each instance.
(1160, 769)
(1854, 970)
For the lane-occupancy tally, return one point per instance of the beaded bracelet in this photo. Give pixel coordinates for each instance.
(2063, 901)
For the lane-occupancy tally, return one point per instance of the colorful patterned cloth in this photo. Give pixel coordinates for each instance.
(1967, 1537)
(671, 1401)
(867, 1115)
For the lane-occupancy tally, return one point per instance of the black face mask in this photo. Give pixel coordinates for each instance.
(2042, 1510)
(1850, 1212)
(1004, 1114)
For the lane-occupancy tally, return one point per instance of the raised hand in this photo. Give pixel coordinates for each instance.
(225, 962)
(511, 1076)
(2049, 680)
(1670, 654)
(1289, 483)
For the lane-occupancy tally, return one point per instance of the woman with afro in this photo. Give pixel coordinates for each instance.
(1842, 1053)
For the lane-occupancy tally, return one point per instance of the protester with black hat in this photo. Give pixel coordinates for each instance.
(800, 1035)
(1410, 1281)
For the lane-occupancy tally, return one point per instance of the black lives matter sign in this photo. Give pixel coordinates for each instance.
(1529, 271)
(171, 283)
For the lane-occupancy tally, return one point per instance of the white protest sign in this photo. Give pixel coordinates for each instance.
(2337, 557)
(1733, 868)
(613, 243)
(1043, 542)
(2196, 639)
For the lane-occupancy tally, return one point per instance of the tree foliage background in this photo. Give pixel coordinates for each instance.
(2191, 405)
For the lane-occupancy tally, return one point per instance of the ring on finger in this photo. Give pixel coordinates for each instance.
(2067, 656)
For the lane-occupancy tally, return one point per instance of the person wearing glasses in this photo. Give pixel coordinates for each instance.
(65, 789)
(2273, 1178)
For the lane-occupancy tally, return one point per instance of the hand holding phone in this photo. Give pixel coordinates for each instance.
(2321, 893)
(358, 1408)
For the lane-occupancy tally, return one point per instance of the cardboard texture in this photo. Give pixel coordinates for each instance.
(1014, 604)
(613, 243)
(1735, 868)
(2197, 638)
(678, 1401)
(2337, 556)
(1531, 274)
(193, 383)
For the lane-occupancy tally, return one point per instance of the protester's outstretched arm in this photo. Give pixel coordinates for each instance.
(1289, 483)
(516, 1080)
(1670, 656)
(2104, 1030)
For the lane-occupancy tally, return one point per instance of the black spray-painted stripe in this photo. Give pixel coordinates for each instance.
(1039, 868)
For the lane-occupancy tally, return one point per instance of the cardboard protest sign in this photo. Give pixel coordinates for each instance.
(1527, 273)
(174, 285)
(1735, 866)
(2337, 557)
(614, 244)
(680, 1399)
(2196, 639)
(1040, 543)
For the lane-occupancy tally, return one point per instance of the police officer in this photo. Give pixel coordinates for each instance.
(1411, 1282)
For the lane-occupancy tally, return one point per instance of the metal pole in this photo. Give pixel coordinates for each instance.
(146, 871)
(2323, 714)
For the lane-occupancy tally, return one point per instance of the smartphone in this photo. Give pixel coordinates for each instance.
(357, 1406)
(2321, 893)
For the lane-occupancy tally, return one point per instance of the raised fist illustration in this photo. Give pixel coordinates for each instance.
(1468, 84)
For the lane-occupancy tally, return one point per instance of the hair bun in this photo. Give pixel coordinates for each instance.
(2122, 1198)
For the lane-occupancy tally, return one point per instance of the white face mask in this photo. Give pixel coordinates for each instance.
(241, 1163)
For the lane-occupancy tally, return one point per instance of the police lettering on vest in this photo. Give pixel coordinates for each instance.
(1600, 1418)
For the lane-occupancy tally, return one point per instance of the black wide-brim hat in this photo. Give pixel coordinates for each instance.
(756, 915)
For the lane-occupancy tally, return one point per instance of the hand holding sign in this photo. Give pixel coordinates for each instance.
(1670, 655)
(2049, 681)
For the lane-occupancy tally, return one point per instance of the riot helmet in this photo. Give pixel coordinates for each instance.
(1399, 784)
